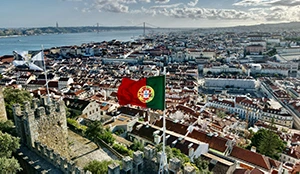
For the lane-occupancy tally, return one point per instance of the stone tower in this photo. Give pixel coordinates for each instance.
(44, 122)
(3, 116)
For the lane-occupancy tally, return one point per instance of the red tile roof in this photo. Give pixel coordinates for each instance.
(172, 126)
(216, 143)
(293, 151)
(7, 58)
(251, 157)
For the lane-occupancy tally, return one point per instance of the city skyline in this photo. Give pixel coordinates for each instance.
(159, 13)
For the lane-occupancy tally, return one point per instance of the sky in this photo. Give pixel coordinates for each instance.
(156, 13)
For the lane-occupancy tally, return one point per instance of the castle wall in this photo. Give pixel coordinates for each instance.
(45, 122)
(147, 162)
(57, 160)
(3, 116)
(33, 163)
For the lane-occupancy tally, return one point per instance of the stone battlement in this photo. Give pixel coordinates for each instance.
(43, 121)
(39, 108)
(58, 161)
(148, 162)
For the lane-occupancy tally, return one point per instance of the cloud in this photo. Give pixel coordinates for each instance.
(114, 6)
(166, 6)
(193, 3)
(273, 10)
(149, 11)
(283, 13)
(72, 0)
(246, 3)
(162, 1)
(288, 3)
(204, 13)
(147, 1)
(258, 10)
(85, 10)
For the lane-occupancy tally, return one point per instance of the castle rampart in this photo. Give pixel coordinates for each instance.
(43, 121)
(147, 162)
(3, 116)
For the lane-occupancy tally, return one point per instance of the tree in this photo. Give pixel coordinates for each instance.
(95, 131)
(119, 131)
(107, 136)
(221, 114)
(97, 167)
(174, 153)
(68, 113)
(137, 145)
(268, 143)
(12, 96)
(122, 150)
(202, 165)
(272, 145)
(257, 138)
(9, 165)
(9, 144)
(8, 127)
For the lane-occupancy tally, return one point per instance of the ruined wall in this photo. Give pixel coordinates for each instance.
(3, 116)
(44, 122)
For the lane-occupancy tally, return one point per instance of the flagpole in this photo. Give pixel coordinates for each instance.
(46, 78)
(163, 158)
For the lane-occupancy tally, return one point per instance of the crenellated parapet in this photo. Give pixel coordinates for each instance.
(114, 168)
(147, 162)
(56, 160)
(174, 165)
(44, 121)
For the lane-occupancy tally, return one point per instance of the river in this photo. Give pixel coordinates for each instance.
(24, 43)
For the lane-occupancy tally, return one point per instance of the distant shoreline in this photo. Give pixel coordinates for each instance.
(7, 36)
(34, 42)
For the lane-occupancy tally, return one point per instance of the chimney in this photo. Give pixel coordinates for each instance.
(253, 149)
(174, 143)
(191, 152)
(157, 139)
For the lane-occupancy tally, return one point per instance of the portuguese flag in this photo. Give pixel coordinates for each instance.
(146, 92)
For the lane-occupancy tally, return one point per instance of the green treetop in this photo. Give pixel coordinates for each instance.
(12, 96)
(268, 143)
(9, 144)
